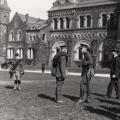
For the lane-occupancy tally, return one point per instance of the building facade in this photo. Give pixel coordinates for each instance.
(25, 34)
(4, 21)
(78, 23)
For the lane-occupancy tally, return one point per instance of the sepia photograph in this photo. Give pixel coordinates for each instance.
(59, 59)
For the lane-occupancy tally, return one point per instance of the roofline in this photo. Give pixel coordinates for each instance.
(44, 27)
(77, 7)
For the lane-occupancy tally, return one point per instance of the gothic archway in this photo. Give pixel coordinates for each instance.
(77, 49)
(55, 45)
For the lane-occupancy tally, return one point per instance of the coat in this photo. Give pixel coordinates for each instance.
(115, 67)
(17, 66)
(60, 64)
(87, 62)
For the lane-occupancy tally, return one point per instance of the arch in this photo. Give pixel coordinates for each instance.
(103, 18)
(76, 50)
(55, 45)
(81, 21)
(55, 23)
(67, 22)
(88, 20)
(11, 36)
(61, 23)
(80, 43)
(19, 35)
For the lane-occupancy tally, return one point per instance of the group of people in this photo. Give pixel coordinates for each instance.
(59, 70)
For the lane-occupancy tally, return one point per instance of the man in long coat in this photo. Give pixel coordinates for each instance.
(60, 65)
(114, 75)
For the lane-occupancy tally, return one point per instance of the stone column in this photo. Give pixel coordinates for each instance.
(58, 22)
(64, 26)
(69, 48)
(85, 22)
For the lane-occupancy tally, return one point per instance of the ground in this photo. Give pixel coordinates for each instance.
(36, 99)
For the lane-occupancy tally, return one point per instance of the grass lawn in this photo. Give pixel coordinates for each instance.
(70, 69)
(36, 100)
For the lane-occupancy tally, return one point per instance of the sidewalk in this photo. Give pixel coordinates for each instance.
(69, 73)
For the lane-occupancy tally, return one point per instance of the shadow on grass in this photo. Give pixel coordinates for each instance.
(106, 113)
(109, 101)
(112, 109)
(98, 94)
(46, 97)
(9, 87)
(73, 98)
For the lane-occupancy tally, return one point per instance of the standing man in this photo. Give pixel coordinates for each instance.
(114, 75)
(87, 64)
(18, 71)
(60, 64)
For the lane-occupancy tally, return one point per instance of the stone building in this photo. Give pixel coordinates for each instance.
(25, 34)
(78, 23)
(4, 20)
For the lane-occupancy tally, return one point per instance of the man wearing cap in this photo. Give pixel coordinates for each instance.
(87, 64)
(114, 75)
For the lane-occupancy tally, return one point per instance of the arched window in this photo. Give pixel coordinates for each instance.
(94, 46)
(89, 20)
(30, 53)
(32, 37)
(104, 20)
(19, 35)
(67, 23)
(10, 53)
(11, 36)
(43, 37)
(81, 21)
(61, 23)
(20, 52)
(55, 24)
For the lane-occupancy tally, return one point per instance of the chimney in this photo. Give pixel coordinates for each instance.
(27, 15)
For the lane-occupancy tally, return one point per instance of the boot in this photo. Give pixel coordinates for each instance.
(15, 87)
(19, 86)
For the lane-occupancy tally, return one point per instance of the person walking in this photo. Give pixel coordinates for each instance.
(114, 75)
(60, 67)
(87, 67)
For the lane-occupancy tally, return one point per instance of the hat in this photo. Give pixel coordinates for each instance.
(16, 55)
(115, 50)
(64, 46)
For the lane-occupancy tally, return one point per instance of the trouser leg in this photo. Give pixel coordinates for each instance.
(19, 81)
(110, 87)
(82, 87)
(15, 81)
(59, 82)
(117, 88)
(88, 89)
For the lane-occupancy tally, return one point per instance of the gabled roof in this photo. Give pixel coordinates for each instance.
(43, 25)
(31, 21)
(69, 4)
